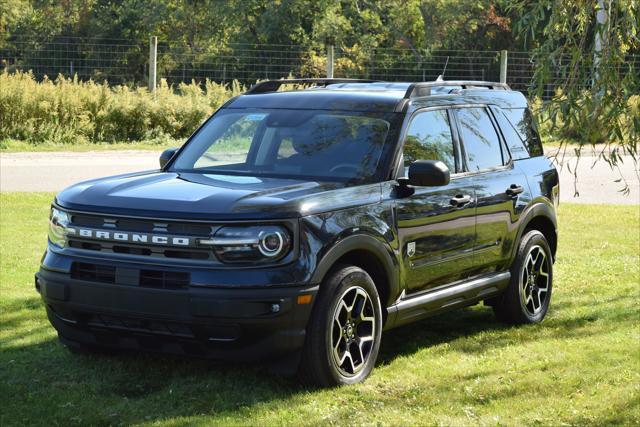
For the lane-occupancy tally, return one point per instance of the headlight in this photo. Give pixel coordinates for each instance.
(250, 244)
(58, 222)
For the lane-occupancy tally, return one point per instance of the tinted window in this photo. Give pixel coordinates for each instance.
(309, 144)
(516, 146)
(429, 138)
(481, 142)
(232, 146)
(522, 121)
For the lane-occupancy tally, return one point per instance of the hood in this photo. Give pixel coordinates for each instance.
(211, 197)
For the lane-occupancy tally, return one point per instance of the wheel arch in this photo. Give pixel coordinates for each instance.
(541, 217)
(370, 254)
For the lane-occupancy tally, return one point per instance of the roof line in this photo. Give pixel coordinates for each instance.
(273, 85)
(424, 88)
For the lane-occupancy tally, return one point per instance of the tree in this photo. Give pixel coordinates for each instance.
(599, 99)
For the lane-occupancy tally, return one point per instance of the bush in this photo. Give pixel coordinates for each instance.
(68, 111)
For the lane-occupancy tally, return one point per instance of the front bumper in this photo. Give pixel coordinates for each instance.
(221, 323)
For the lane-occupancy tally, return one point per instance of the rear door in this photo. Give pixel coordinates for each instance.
(501, 189)
(436, 225)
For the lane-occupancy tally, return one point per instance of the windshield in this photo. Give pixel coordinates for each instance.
(298, 144)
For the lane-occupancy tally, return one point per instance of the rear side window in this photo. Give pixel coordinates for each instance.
(522, 121)
(480, 140)
(513, 140)
(429, 138)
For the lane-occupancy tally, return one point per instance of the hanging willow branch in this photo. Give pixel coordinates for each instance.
(598, 102)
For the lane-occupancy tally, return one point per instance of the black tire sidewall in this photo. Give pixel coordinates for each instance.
(318, 349)
(532, 238)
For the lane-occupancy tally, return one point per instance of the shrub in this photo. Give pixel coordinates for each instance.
(68, 111)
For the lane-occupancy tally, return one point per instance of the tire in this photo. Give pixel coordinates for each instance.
(346, 317)
(527, 297)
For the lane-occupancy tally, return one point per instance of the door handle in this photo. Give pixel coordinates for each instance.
(514, 189)
(460, 200)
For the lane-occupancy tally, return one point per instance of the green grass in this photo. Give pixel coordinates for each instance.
(17, 146)
(581, 366)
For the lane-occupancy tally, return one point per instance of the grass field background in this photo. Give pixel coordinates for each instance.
(581, 366)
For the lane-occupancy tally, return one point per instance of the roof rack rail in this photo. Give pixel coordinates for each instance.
(273, 85)
(424, 88)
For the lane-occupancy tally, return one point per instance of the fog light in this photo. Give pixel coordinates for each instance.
(275, 308)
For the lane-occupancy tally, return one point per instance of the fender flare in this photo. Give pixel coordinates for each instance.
(539, 209)
(382, 252)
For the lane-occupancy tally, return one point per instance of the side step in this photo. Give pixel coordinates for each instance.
(443, 299)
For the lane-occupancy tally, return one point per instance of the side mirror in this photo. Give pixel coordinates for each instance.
(166, 156)
(428, 173)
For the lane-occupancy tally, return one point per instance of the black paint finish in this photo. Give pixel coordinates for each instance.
(463, 232)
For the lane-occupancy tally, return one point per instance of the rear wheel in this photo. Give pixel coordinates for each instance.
(528, 295)
(343, 336)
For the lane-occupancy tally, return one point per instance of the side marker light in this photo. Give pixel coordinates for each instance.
(304, 299)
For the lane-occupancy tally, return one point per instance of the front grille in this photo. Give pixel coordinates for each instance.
(148, 326)
(141, 225)
(164, 279)
(124, 276)
(140, 325)
(85, 245)
(142, 250)
(93, 272)
(133, 250)
(109, 224)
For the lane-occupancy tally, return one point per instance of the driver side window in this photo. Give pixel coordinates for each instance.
(429, 138)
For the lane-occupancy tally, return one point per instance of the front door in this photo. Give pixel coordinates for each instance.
(436, 225)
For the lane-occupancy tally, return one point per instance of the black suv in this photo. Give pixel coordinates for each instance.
(298, 225)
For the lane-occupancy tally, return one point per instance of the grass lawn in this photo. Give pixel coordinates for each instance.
(581, 366)
(16, 146)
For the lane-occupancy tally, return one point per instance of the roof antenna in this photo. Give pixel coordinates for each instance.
(441, 76)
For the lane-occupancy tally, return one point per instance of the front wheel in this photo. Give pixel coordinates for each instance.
(343, 336)
(527, 297)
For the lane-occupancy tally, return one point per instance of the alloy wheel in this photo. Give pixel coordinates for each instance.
(534, 280)
(353, 330)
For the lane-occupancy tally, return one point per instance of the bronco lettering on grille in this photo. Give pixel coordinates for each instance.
(128, 237)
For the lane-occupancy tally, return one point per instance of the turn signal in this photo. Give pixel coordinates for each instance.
(304, 299)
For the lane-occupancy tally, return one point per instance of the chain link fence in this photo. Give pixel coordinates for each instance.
(119, 61)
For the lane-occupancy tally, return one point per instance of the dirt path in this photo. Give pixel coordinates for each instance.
(54, 171)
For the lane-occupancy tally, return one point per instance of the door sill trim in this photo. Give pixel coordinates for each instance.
(465, 293)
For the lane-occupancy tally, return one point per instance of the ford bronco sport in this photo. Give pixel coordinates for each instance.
(298, 225)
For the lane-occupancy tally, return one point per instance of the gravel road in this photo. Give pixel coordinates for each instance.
(53, 171)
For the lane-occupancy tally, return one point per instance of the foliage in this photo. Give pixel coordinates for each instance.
(595, 105)
(205, 30)
(579, 367)
(68, 111)
(598, 102)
